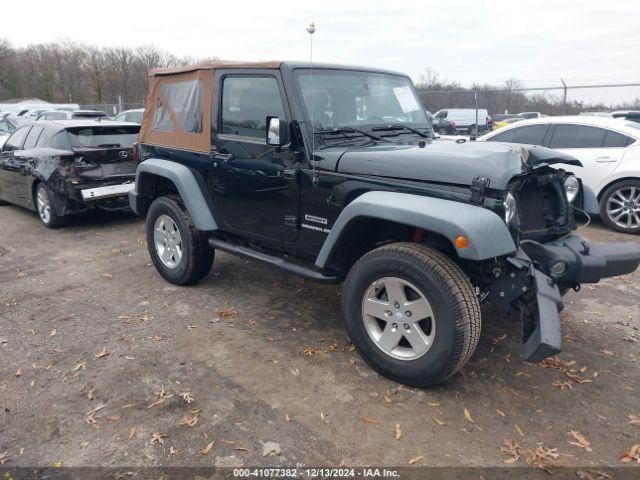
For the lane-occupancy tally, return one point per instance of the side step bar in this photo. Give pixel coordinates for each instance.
(290, 267)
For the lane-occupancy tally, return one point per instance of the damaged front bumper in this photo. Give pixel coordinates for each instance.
(537, 276)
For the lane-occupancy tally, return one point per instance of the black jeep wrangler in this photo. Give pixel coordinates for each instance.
(331, 173)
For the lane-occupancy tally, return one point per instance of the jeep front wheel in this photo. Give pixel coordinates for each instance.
(411, 313)
(178, 250)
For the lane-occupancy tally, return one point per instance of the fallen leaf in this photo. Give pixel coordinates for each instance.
(519, 430)
(607, 353)
(102, 353)
(18, 373)
(387, 397)
(132, 432)
(112, 418)
(186, 396)
(631, 455)
(58, 464)
(189, 421)
(437, 420)
(53, 333)
(562, 384)
(433, 404)
(208, 448)
(500, 412)
(173, 450)
(371, 421)
(158, 438)
(228, 313)
(398, 431)
(416, 459)
(90, 393)
(468, 416)
(21, 452)
(4, 457)
(582, 442)
(634, 419)
(322, 416)
(287, 418)
(191, 327)
(242, 449)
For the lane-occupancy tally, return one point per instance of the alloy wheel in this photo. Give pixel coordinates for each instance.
(398, 318)
(44, 206)
(623, 207)
(168, 241)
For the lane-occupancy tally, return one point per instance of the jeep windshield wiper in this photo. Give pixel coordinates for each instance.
(342, 130)
(398, 126)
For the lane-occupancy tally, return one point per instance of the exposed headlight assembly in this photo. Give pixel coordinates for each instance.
(571, 187)
(509, 205)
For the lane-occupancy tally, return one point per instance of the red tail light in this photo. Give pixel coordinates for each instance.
(136, 158)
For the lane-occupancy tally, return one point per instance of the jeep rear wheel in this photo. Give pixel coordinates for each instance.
(411, 313)
(178, 250)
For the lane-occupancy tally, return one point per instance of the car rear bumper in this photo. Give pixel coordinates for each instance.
(99, 193)
(539, 273)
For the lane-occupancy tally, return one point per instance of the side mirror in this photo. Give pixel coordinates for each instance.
(277, 132)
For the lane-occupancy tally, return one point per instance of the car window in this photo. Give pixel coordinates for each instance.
(61, 140)
(15, 141)
(103, 136)
(615, 139)
(529, 134)
(120, 116)
(577, 136)
(135, 117)
(33, 137)
(246, 103)
(185, 101)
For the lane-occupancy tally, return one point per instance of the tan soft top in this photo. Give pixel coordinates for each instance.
(178, 107)
(213, 66)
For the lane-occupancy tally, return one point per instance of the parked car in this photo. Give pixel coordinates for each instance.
(529, 115)
(134, 116)
(300, 169)
(609, 150)
(503, 123)
(596, 114)
(463, 120)
(60, 168)
(632, 115)
(72, 114)
(7, 123)
(443, 126)
(3, 137)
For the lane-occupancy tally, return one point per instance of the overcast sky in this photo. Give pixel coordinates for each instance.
(538, 42)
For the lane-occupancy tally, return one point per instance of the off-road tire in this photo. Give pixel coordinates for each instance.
(197, 255)
(606, 219)
(52, 220)
(453, 300)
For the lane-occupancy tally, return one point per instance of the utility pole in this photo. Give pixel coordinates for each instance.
(564, 97)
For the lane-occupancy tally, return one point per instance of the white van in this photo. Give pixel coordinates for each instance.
(464, 119)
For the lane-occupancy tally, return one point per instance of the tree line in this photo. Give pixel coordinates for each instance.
(437, 93)
(69, 72)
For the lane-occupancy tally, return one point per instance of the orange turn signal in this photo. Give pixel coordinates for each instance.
(461, 242)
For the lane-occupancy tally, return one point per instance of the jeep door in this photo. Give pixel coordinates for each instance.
(254, 185)
(9, 170)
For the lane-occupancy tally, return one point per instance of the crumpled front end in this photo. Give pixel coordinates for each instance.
(537, 276)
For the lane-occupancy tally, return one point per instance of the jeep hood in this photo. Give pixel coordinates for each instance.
(450, 162)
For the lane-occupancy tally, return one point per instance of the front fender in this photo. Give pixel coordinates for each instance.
(488, 235)
(187, 185)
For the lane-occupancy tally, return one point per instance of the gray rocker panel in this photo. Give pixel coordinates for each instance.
(187, 186)
(487, 233)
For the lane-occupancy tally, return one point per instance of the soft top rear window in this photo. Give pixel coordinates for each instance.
(103, 136)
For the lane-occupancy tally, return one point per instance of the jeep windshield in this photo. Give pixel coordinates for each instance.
(344, 101)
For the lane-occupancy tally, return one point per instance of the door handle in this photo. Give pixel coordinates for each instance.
(606, 159)
(223, 157)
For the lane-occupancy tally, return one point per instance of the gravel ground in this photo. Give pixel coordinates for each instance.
(104, 363)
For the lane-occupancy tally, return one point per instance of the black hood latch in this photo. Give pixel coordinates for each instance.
(478, 188)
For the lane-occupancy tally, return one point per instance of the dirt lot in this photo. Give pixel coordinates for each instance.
(86, 324)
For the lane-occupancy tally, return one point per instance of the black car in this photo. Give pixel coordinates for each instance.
(65, 167)
(330, 173)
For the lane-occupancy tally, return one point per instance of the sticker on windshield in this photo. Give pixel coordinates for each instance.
(405, 98)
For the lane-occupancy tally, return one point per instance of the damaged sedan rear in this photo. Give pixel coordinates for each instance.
(66, 167)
